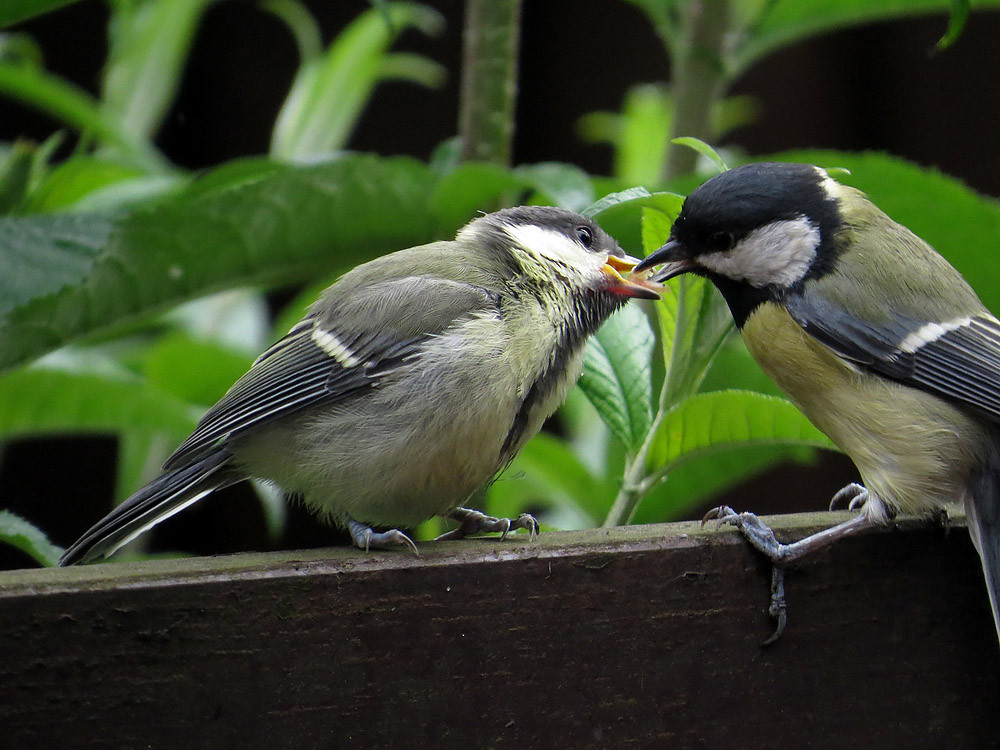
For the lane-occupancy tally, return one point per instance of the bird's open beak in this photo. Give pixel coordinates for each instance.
(629, 285)
(669, 258)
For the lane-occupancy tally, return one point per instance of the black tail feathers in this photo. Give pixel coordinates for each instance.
(167, 494)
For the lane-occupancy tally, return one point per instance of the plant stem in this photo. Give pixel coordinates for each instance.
(699, 80)
(489, 81)
(635, 484)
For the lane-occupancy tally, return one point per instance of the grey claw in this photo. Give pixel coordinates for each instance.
(474, 522)
(854, 494)
(365, 537)
(721, 513)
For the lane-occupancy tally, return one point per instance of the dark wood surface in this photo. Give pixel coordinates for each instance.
(638, 637)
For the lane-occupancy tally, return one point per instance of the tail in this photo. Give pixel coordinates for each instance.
(167, 494)
(982, 509)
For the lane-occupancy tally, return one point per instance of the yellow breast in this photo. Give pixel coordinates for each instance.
(905, 442)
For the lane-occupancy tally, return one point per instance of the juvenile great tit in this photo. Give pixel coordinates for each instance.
(873, 335)
(410, 384)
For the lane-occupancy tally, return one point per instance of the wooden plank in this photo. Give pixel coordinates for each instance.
(633, 637)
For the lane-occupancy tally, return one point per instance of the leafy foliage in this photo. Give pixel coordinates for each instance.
(98, 245)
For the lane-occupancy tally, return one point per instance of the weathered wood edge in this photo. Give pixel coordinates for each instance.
(340, 560)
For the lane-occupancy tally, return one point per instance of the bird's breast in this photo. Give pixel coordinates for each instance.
(913, 449)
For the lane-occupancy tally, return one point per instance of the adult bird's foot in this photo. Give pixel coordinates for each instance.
(873, 511)
(755, 531)
(367, 538)
(474, 522)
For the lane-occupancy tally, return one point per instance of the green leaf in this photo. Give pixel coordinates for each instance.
(73, 106)
(75, 178)
(472, 187)
(15, 11)
(73, 275)
(79, 399)
(546, 473)
(308, 36)
(784, 22)
(655, 229)
(693, 483)
(709, 422)
(15, 173)
(960, 224)
(193, 370)
(330, 91)
(28, 538)
(617, 374)
(702, 148)
(620, 214)
(149, 43)
(694, 323)
(956, 22)
(563, 185)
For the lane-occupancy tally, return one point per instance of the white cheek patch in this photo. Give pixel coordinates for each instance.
(550, 245)
(930, 332)
(779, 253)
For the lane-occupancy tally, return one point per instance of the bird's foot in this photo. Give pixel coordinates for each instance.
(873, 512)
(755, 531)
(857, 497)
(474, 522)
(367, 538)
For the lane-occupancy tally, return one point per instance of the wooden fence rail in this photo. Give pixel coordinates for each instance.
(644, 636)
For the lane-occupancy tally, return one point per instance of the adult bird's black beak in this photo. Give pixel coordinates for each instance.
(671, 257)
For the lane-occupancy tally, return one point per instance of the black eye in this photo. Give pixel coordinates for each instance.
(721, 240)
(585, 236)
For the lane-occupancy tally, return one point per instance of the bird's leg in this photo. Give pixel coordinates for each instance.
(873, 512)
(367, 538)
(474, 522)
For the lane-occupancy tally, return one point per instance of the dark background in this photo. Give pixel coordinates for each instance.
(880, 87)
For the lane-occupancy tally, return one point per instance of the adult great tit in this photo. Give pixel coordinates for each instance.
(410, 384)
(873, 335)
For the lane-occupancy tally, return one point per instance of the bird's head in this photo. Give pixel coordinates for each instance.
(558, 252)
(756, 231)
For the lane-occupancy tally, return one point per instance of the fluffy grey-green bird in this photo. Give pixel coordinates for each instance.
(872, 334)
(409, 384)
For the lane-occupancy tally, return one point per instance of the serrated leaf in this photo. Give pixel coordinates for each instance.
(73, 275)
(710, 422)
(617, 374)
(28, 538)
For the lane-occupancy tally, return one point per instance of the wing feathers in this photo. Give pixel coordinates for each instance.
(957, 359)
(331, 357)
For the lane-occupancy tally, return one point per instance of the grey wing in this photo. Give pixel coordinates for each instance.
(957, 359)
(325, 359)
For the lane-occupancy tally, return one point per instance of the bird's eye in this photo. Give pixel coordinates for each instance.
(585, 236)
(721, 240)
